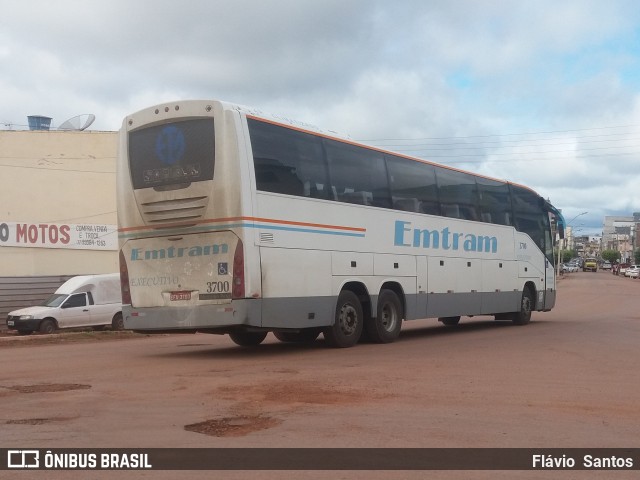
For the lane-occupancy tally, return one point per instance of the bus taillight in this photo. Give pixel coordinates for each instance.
(124, 281)
(238, 272)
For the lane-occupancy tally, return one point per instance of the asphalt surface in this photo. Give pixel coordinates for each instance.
(569, 379)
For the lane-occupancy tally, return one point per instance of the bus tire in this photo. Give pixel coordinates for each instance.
(47, 326)
(306, 335)
(385, 327)
(449, 321)
(347, 327)
(526, 306)
(247, 339)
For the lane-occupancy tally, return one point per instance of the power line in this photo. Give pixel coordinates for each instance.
(500, 134)
(486, 149)
(575, 140)
(527, 153)
(68, 220)
(515, 159)
(55, 169)
(87, 158)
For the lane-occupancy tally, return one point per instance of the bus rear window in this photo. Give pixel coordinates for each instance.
(173, 153)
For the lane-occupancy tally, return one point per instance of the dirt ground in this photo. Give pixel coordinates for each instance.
(569, 379)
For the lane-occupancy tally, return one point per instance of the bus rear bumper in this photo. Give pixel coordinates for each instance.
(192, 319)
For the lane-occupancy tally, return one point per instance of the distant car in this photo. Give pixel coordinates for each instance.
(622, 268)
(606, 266)
(570, 267)
(82, 301)
(590, 264)
(633, 271)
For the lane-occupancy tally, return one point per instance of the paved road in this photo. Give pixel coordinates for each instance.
(568, 379)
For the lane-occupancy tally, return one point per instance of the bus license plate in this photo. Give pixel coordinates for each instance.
(176, 296)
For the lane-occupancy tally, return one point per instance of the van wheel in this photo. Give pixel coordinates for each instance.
(47, 326)
(347, 327)
(526, 306)
(385, 328)
(248, 339)
(118, 322)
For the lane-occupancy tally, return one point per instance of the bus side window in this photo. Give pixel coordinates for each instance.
(272, 176)
(458, 194)
(413, 185)
(451, 210)
(530, 216)
(358, 174)
(287, 161)
(406, 204)
(494, 199)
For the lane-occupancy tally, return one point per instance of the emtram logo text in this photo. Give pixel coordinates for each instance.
(407, 236)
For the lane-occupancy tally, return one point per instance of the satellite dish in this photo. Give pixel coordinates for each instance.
(78, 123)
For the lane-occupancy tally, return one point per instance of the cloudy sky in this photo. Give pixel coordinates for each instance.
(543, 93)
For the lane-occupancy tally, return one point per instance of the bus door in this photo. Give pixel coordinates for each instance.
(550, 286)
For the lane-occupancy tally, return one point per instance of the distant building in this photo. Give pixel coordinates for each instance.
(584, 245)
(620, 233)
(58, 211)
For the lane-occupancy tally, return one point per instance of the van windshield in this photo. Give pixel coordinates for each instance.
(54, 300)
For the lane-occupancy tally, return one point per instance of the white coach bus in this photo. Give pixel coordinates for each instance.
(236, 222)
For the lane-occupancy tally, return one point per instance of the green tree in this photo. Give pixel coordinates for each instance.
(636, 256)
(568, 255)
(565, 255)
(611, 255)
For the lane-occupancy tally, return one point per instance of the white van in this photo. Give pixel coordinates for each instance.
(83, 301)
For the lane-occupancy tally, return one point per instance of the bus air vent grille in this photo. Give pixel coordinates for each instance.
(176, 210)
(266, 238)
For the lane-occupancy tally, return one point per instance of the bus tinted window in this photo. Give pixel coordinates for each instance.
(302, 164)
(530, 217)
(458, 194)
(172, 153)
(494, 199)
(413, 186)
(525, 200)
(358, 175)
(533, 225)
(288, 161)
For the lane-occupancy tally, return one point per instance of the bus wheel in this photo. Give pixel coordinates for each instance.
(306, 335)
(248, 339)
(385, 328)
(47, 326)
(449, 321)
(348, 324)
(526, 305)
